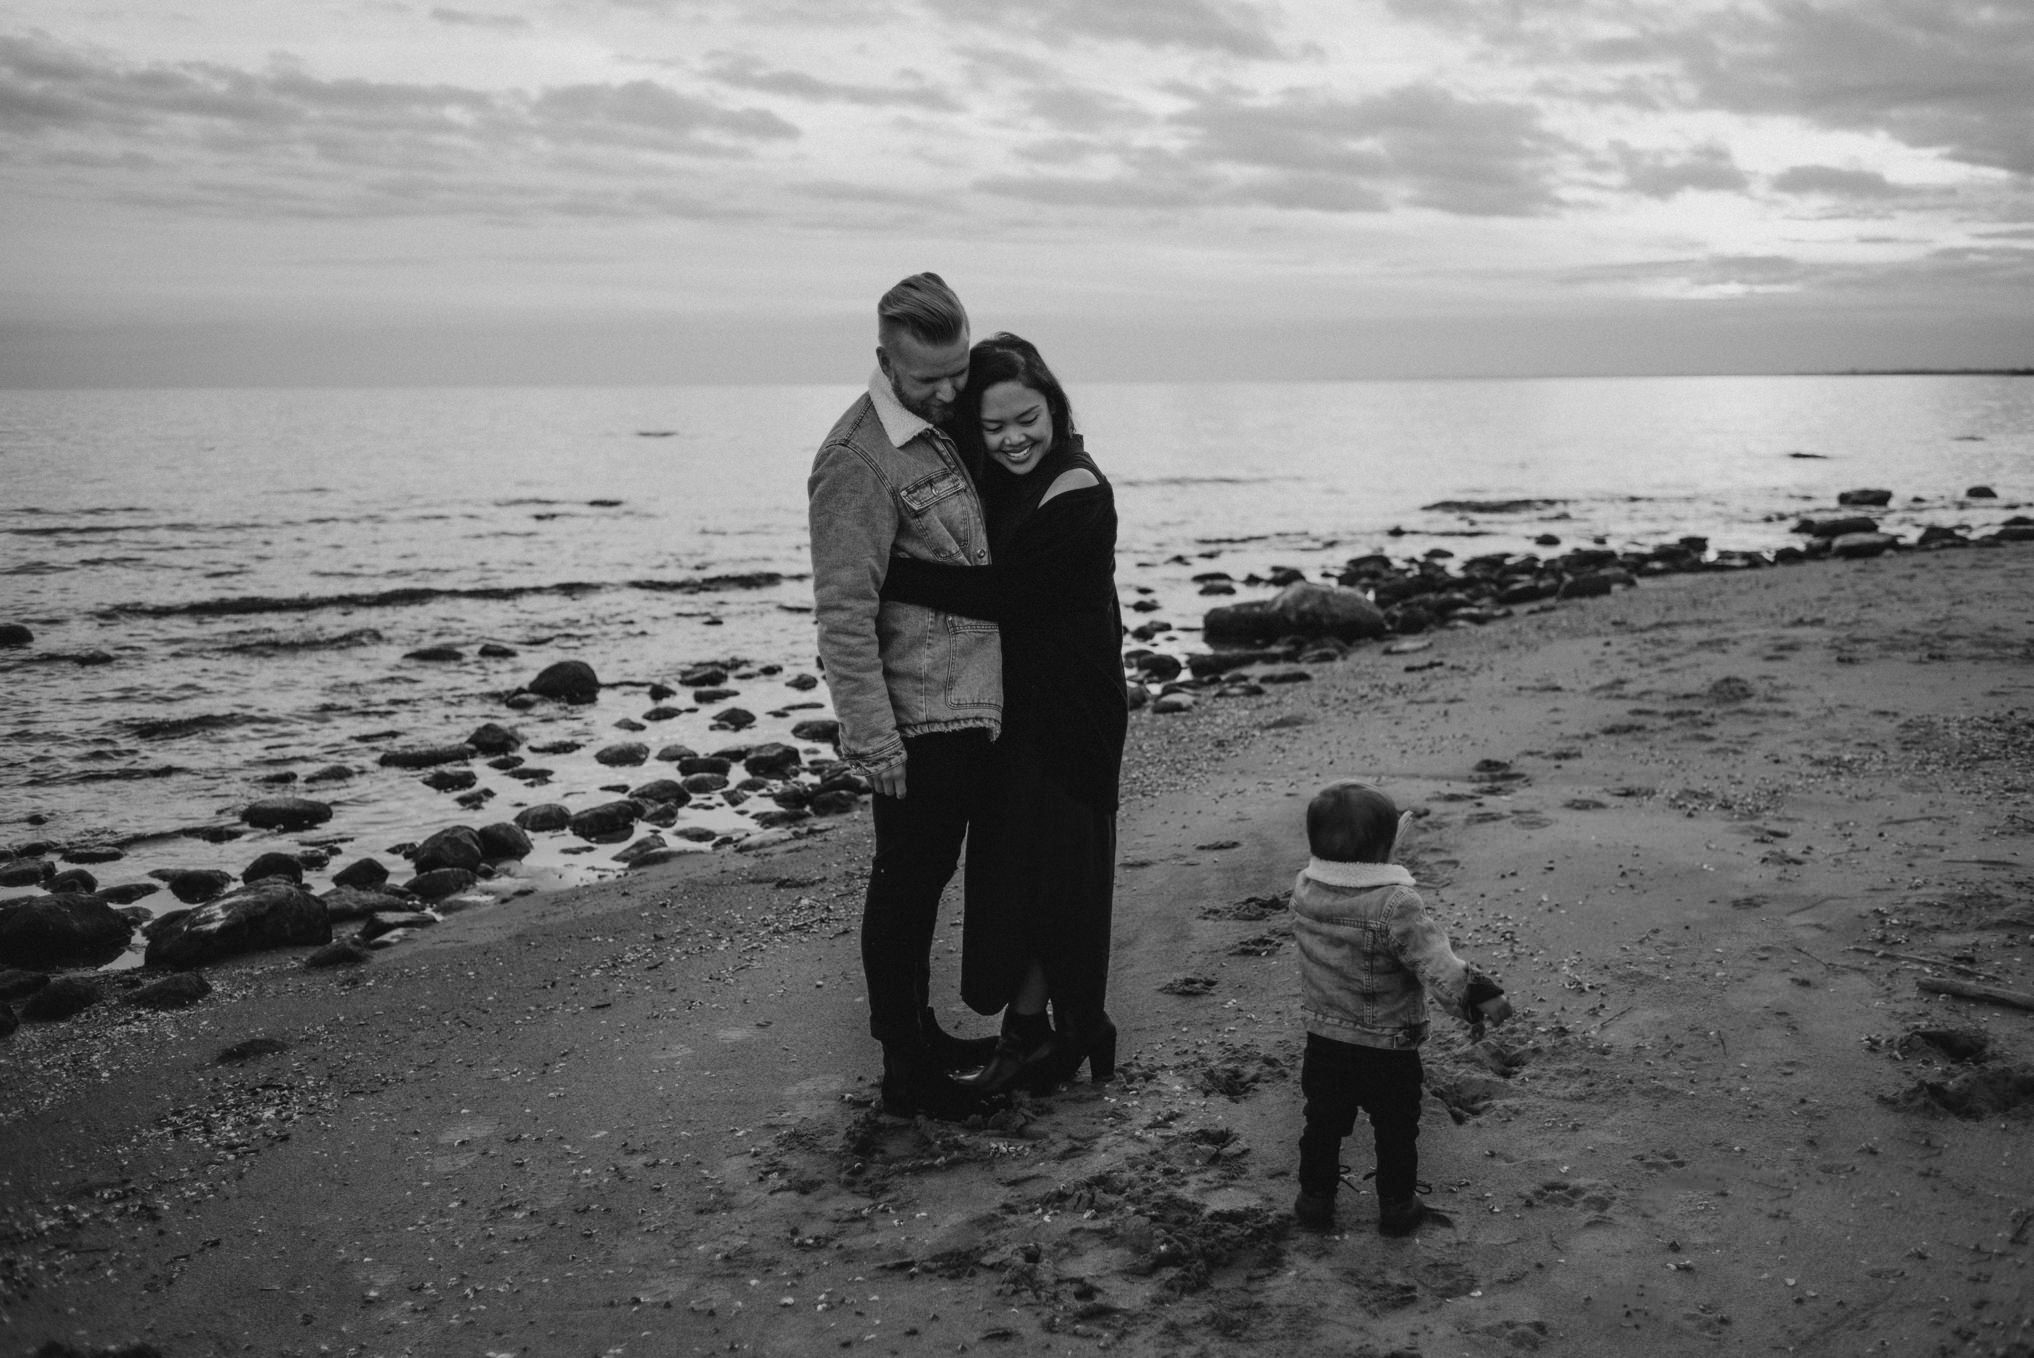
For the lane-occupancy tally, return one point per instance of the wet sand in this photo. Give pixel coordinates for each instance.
(1709, 833)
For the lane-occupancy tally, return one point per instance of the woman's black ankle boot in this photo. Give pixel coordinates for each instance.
(1026, 1056)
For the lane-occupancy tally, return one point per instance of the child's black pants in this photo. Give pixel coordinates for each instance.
(1341, 1078)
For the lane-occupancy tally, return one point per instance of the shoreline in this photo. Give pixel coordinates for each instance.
(565, 755)
(1700, 829)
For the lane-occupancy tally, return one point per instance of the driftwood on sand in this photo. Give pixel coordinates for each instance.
(2017, 999)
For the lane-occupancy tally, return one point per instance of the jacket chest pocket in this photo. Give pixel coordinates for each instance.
(942, 513)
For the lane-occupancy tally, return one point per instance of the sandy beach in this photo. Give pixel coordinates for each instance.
(1710, 833)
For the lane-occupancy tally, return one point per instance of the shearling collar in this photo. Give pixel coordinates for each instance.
(1357, 875)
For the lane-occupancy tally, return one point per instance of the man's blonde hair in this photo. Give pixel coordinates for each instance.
(924, 307)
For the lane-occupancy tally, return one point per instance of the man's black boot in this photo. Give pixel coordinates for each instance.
(914, 1086)
(952, 1053)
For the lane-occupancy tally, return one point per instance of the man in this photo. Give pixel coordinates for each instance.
(919, 693)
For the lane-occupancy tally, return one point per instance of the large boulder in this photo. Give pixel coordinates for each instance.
(14, 634)
(343, 903)
(66, 929)
(195, 886)
(664, 791)
(1301, 610)
(503, 840)
(274, 864)
(571, 681)
(74, 881)
(439, 883)
(62, 998)
(607, 821)
(774, 760)
(286, 813)
(365, 873)
(1835, 528)
(425, 756)
(24, 871)
(543, 816)
(490, 738)
(819, 730)
(271, 913)
(456, 846)
(178, 990)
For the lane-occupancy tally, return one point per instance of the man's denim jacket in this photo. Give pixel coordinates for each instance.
(884, 481)
(1370, 954)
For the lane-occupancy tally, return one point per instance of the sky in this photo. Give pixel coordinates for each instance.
(241, 192)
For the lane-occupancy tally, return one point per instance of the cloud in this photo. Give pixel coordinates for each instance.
(1463, 156)
(1662, 175)
(1312, 150)
(337, 146)
(1827, 181)
(462, 18)
(1951, 74)
(643, 112)
(1211, 26)
(742, 71)
(1942, 75)
(1702, 278)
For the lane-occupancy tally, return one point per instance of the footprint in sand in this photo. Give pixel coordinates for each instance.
(1188, 985)
(1597, 1197)
(1257, 945)
(461, 1134)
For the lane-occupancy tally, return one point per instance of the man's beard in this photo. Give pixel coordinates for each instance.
(931, 411)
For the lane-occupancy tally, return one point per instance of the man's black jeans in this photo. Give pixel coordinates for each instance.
(918, 845)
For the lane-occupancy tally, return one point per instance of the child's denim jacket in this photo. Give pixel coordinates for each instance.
(1370, 954)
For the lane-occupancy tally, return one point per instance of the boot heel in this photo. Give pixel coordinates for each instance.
(1102, 1053)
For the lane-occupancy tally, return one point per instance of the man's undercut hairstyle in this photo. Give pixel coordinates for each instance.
(924, 307)
(1351, 822)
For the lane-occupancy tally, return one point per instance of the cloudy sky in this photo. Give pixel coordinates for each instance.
(228, 191)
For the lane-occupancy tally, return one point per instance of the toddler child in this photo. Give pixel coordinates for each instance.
(1370, 955)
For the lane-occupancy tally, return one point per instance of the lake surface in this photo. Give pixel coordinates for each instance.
(257, 564)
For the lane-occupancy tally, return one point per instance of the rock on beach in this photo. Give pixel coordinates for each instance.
(504, 840)
(456, 846)
(1302, 610)
(67, 929)
(542, 817)
(274, 864)
(571, 681)
(195, 886)
(607, 819)
(271, 913)
(286, 813)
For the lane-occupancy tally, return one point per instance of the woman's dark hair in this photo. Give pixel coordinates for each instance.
(1005, 357)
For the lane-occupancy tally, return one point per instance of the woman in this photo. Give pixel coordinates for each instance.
(1041, 853)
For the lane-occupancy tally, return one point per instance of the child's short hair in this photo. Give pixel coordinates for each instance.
(1351, 822)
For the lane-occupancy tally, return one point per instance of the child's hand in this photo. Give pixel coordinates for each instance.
(1494, 1011)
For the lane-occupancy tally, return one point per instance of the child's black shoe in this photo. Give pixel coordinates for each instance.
(1315, 1214)
(1400, 1216)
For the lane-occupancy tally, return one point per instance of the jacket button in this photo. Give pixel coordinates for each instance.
(980, 553)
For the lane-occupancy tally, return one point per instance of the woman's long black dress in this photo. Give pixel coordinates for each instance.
(1041, 856)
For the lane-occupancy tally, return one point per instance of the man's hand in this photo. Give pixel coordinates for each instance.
(889, 782)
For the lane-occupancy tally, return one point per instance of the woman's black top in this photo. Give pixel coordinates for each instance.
(1051, 589)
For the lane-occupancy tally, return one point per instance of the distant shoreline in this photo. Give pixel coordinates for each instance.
(1921, 372)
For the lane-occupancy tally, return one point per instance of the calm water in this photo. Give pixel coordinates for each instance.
(235, 553)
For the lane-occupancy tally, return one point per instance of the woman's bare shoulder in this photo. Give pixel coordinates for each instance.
(1079, 478)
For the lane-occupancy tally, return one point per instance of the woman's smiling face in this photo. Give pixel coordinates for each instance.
(1016, 426)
